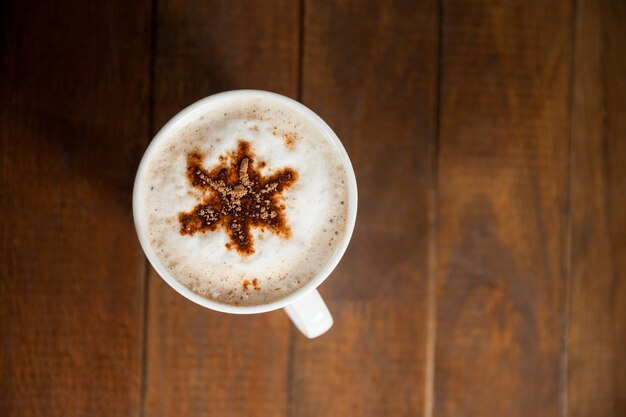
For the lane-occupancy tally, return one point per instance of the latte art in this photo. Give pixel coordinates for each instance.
(238, 197)
(245, 201)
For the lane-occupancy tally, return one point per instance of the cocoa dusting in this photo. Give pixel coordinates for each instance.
(254, 283)
(290, 140)
(237, 198)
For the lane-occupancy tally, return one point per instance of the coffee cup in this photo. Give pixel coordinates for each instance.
(207, 258)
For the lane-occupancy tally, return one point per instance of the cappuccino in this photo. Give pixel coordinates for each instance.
(245, 201)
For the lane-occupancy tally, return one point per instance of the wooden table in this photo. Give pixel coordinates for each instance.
(487, 272)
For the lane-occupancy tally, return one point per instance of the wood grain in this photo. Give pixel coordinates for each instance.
(369, 69)
(597, 329)
(502, 213)
(201, 362)
(74, 93)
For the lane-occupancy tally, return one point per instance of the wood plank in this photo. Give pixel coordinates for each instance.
(597, 330)
(369, 69)
(202, 362)
(74, 115)
(503, 205)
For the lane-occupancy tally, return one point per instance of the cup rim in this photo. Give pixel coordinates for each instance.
(187, 115)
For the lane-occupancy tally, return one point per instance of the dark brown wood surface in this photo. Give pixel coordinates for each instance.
(487, 271)
(502, 208)
(74, 84)
(597, 316)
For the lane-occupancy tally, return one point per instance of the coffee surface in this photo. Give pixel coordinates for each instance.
(245, 202)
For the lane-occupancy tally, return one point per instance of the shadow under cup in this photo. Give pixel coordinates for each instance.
(304, 306)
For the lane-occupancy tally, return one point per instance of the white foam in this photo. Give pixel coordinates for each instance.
(316, 205)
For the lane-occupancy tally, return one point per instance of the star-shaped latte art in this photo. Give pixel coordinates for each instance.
(236, 197)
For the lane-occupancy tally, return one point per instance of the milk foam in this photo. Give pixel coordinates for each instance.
(316, 205)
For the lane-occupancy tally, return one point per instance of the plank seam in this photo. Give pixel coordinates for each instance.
(431, 320)
(568, 237)
(146, 276)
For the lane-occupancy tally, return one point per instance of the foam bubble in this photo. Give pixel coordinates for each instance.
(315, 206)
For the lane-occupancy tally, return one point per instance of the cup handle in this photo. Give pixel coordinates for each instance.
(310, 315)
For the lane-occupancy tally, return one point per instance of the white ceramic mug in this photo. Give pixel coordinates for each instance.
(305, 306)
